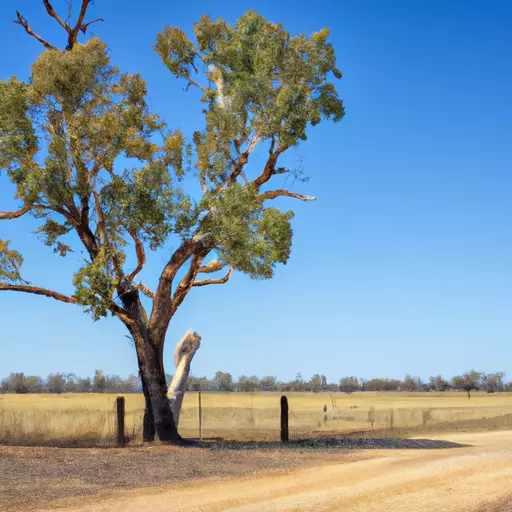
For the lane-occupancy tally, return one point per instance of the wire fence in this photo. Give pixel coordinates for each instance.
(90, 420)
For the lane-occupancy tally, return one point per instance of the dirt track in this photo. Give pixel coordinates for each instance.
(462, 479)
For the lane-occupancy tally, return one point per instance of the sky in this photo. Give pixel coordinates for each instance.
(404, 262)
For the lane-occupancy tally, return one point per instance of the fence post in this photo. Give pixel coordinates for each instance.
(392, 418)
(284, 420)
(120, 421)
(200, 412)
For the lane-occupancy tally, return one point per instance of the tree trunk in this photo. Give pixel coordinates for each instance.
(185, 351)
(158, 417)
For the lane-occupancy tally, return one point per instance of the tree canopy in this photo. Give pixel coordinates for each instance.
(62, 134)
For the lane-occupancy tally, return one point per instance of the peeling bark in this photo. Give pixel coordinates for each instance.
(183, 355)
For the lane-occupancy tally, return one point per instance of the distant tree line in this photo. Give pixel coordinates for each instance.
(223, 381)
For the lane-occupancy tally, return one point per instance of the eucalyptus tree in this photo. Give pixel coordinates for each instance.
(67, 133)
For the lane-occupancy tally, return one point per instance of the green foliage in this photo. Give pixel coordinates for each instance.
(10, 263)
(96, 284)
(349, 384)
(468, 381)
(224, 381)
(493, 382)
(380, 384)
(18, 142)
(256, 79)
(99, 382)
(247, 236)
(438, 383)
(64, 132)
(51, 231)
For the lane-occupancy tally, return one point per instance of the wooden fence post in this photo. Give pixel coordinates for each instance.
(200, 416)
(120, 422)
(284, 420)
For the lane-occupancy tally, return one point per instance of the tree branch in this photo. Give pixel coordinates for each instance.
(222, 280)
(24, 23)
(188, 281)
(73, 34)
(37, 291)
(141, 255)
(14, 215)
(213, 266)
(272, 194)
(51, 11)
(244, 158)
(254, 143)
(145, 290)
(161, 312)
(114, 308)
(194, 83)
(103, 229)
(269, 169)
(84, 26)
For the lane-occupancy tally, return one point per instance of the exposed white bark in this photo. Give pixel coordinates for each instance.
(185, 351)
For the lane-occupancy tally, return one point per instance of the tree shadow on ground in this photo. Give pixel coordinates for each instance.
(330, 443)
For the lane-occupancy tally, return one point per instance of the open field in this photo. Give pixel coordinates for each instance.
(458, 472)
(88, 419)
(434, 465)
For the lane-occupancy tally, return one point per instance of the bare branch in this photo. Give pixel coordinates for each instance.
(222, 280)
(14, 215)
(253, 143)
(51, 11)
(103, 229)
(244, 158)
(270, 169)
(161, 312)
(24, 23)
(37, 291)
(272, 194)
(72, 217)
(141, 255)
(188, 280)
(213, 266)
(145, 290)
(73, 34)
(114, 308)
(84, 26)
(195, 84)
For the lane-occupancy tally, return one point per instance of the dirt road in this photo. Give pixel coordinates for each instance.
(462, 479)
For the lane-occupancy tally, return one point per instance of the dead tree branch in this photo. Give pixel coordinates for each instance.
(51, 11)
(24, 23)
(272, 194)
(141, 255)
(14, 215)
(213, 266)
(37, 291)
(222, 280)
(145, 290)
(71, 31)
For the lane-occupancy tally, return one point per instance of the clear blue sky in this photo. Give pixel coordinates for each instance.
(404, 262)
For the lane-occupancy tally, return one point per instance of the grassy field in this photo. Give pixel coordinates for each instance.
(71, 419)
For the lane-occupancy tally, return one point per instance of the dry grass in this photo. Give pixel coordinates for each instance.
(89, 419)
(37, 476)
